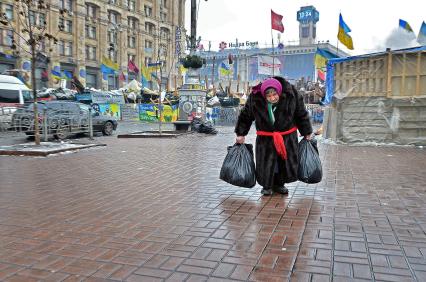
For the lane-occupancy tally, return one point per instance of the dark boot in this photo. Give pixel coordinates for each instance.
(281, 189)
(266, 191)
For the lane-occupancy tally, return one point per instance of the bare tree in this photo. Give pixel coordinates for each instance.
(29, 35)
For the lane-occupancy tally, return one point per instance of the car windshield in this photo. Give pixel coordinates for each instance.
(26, 94)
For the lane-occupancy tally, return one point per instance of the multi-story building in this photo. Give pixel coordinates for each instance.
(296, 60)
(143, 31)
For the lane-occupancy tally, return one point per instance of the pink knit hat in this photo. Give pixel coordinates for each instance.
(271, 83)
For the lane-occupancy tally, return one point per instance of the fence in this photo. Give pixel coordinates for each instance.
(52, 123)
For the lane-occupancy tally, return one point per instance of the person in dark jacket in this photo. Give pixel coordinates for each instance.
(278, 111)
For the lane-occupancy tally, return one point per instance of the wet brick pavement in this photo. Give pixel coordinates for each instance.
(155, 210)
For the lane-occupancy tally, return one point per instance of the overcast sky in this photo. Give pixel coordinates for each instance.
(373, 22)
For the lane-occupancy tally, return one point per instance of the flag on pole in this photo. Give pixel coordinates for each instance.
(106, 62)
(224, 69)
(67, 75)
(421, 38)
(122, 77)
(276, 21)
(321, 74)
(343, 34)
(132, 67)
(405, 25)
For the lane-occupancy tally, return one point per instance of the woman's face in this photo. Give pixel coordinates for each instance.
(272, 95)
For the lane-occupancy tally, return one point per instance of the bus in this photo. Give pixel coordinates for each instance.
(13, 94)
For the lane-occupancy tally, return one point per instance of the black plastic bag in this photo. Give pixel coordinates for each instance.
(238, 167)
(310, 169)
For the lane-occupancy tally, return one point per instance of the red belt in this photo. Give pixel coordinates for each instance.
(278, 140)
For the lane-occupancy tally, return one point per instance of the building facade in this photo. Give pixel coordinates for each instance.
(144, 31)
(241, 60)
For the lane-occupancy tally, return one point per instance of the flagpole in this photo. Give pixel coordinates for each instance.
(273, 57)
(337, 48)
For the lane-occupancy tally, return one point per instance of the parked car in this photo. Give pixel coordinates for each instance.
(62, 119)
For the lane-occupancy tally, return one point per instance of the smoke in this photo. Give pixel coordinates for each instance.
(398, 39)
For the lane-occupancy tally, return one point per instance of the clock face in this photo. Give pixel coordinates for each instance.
(307, 15)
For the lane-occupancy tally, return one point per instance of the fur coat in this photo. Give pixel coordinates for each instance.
(290, 112)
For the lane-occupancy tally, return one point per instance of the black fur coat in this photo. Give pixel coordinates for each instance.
(290, 112)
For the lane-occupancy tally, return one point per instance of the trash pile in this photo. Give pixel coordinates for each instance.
(202, 127)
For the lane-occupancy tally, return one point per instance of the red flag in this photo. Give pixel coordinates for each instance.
(122, 77)
(276, 22)
(132, 67)
(321, 75)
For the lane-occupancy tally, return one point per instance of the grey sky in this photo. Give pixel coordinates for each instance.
(372, 21)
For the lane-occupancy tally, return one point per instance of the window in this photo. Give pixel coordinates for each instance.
(305, 32)
(150, 28)
(42, 45)
(163, 16)
(68, 48)
(66, 4)
(91, 10)
(114, 2)
(163, 3)
(130, 4)
(91, 80)
(90, 32)
(113, 17)
(131, 41)
(112, 36)
(8, 10)
(90, 53)
(165, 33)
(65, 25)
(131, 57)
(132, 23)
(148, 60)
(148, 11)
(40, 75)
(148, 44)
(37, 19)
(113, 55)
(6, 37)
(112, 82)
(9, 96)
(61, 47)
(65, 48)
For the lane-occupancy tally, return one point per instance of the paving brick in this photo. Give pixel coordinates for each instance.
(94, 218)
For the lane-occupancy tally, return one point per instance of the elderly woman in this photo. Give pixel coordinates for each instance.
(278, 112)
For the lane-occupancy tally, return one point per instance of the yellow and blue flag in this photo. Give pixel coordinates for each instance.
(405, 25)
(421, 38)
(67, 75)
(108, 63)
(224, 69)
(321, 58)
(343, 35)
(55, 74)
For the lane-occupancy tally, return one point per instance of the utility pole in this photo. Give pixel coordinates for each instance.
(193, 36)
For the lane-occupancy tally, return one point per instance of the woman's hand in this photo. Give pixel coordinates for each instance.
(308, 137)
(240, 139)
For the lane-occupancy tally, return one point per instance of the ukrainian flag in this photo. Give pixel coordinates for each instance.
(224, 69)
(106, 62)
(321, 58)
(146, 75)
(343, 35)
(405, 25)
(421, 38)
(55, 74)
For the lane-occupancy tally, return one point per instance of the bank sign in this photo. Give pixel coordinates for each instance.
(237, 44)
